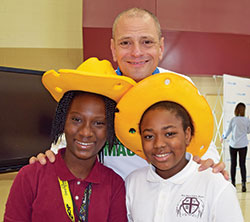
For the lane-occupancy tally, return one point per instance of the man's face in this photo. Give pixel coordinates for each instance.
(136, 46)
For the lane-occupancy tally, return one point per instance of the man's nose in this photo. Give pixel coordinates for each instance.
(136, 50)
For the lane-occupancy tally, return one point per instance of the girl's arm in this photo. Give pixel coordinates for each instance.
(118, 210)
(227, 207)
(228, 131)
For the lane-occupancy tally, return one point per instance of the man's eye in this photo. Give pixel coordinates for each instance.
(148, 42)
(124, 43)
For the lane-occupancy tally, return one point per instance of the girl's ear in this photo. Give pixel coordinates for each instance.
(188, 136)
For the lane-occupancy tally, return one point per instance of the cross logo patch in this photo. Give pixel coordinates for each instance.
(190, 206)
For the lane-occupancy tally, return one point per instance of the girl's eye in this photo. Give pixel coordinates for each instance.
(148, 137)
(170, 134)
(99, 123)
(75, 119)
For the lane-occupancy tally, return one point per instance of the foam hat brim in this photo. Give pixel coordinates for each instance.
(163, 87)
(92, 76)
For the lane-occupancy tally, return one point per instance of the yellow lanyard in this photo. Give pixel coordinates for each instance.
(67, 199)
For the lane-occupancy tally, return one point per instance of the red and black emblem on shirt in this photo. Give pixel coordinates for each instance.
(190, 206)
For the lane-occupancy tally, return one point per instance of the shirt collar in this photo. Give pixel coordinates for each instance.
(64, 173)
(179, 178)
(119, 73)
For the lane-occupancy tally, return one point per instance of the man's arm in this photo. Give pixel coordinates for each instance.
(211, 159)
(49, 153)
(42, 157)
(217, 168)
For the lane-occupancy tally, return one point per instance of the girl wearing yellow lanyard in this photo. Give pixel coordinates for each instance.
(77, 187)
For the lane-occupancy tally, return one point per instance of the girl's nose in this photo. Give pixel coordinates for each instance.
(86, 130)
(159, 142)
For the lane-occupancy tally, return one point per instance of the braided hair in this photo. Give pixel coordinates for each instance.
(62, 111)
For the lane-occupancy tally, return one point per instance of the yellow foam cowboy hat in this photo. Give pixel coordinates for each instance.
(92, 75)
(163, 87)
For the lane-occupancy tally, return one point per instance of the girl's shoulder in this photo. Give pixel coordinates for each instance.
(137, 175)
(210, 179)
(35, 167)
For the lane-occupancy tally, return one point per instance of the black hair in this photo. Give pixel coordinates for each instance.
(176, 108)
(62, 111)
(240, 109)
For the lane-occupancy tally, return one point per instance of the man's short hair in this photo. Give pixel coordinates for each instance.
(137, 12)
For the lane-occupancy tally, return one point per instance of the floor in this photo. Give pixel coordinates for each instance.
(6, 180)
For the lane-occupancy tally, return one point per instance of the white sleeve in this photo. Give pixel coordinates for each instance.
(227, 207)
(186, 77)
(212, 153)
(61, 143)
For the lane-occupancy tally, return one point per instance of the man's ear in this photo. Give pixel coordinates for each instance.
(161, 48)
(112, 47)
(188, 136)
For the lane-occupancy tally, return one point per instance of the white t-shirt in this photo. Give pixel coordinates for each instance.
(123, 161)
(187, 196)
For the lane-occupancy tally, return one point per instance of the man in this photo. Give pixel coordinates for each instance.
(137, 46)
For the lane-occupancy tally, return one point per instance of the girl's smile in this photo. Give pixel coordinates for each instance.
(164, 141)
(85, 128)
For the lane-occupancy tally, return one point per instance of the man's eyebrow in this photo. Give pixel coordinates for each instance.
(124, 38)
(147, 36)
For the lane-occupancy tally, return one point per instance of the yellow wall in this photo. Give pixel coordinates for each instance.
(41, 34)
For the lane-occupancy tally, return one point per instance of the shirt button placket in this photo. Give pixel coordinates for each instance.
(78, 184)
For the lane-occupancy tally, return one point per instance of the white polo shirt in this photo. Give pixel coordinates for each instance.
(187, 196)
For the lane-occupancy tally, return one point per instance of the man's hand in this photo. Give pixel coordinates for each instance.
(42, 157)
(217, 168)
